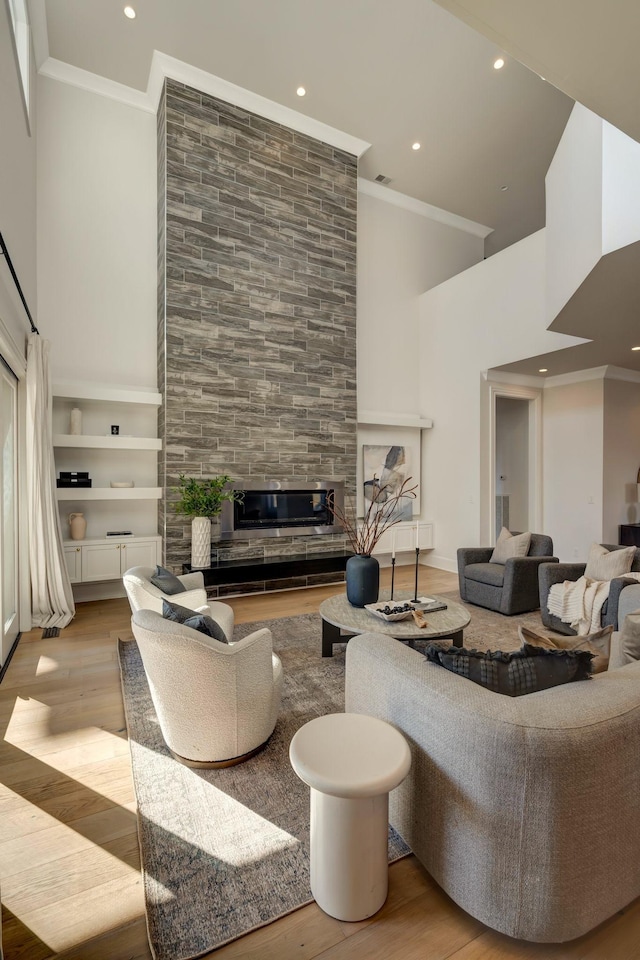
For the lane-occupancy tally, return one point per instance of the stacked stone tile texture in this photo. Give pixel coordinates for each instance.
(257, 309)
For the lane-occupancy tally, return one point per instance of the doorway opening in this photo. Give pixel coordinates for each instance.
(514, 459)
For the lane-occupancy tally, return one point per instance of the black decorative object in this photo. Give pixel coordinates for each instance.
(363, 580)
(393, 573)
(415, 593)
(115, 430)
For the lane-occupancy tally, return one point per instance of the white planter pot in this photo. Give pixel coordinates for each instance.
(201, 542)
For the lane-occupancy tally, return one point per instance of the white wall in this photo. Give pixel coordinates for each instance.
(572, 467)
(574, 208)
(400, 255)
(620, 189)
(97, 236)
(491, 314)
(621, 460)
(17, 193)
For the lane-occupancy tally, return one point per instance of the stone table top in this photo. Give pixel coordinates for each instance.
(441, 623)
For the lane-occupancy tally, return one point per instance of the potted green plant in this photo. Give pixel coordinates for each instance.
(201, 498)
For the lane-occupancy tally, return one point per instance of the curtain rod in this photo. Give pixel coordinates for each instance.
(5, 253)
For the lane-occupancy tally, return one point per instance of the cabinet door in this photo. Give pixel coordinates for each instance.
(138, 553)
(101, 561)
(73, 559)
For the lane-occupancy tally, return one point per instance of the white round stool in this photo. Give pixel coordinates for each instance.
(350, 761)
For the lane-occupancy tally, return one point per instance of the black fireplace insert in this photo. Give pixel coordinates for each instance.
(277, 509)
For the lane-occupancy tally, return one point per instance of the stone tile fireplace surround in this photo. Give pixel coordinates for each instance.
(256, 310)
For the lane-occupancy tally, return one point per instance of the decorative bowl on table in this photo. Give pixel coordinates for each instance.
(391, 612)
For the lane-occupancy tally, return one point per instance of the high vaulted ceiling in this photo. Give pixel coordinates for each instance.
(414, 70)
(390, 74)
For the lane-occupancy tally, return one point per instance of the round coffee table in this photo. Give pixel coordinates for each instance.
(340, 621)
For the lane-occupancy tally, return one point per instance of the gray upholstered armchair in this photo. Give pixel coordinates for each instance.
(507, 588)
(558, 572)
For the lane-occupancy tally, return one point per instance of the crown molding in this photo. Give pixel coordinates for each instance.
(380, 192)
(621, 373)
(513, 379)
(575, 376)
(76, 77)
(166, 67)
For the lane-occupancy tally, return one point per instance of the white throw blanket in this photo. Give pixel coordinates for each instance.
(580, 602)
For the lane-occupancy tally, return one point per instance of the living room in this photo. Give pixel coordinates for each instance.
(83, 194)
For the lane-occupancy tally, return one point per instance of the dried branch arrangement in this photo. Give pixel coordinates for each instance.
(363, 535)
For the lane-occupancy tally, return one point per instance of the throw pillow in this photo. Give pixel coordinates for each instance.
(516, 673)
(597, 643)
(191, 618)
(508, 545)
(164, 580)
(604, 564)
(630, 637)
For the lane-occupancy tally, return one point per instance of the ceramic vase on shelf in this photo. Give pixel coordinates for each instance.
(201, 542)
(75, 424)
(363, 580)
(77, 526)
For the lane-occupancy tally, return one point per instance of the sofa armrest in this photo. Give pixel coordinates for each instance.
(520, 587)
(550, 573)
(467, 555)
(617, 589)
(192, 581)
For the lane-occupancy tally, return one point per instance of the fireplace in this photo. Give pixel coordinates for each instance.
(276, 509)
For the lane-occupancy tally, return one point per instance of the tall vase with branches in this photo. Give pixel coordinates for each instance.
(363, 570)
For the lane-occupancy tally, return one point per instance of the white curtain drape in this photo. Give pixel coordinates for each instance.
(51, 594)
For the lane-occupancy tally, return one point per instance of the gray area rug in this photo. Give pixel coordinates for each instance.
(227, 851)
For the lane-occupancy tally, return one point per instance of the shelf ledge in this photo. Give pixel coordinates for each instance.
(106, 442)
(77, 390)
(108, 493)
(370, 418)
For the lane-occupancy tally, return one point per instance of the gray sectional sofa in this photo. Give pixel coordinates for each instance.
(523, 809)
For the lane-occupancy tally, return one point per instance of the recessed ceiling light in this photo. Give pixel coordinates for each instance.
(415, 146)
(542, 370)
(130, 12)
(498, 64)
(635, 348)
(301, 91)
(504, 187)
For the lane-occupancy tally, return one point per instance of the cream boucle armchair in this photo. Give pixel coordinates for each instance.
(525, 810)
(144, 595)
(217, 703)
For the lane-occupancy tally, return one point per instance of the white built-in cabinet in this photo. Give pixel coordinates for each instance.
(402, 536)
(132, 455)
(92, 560)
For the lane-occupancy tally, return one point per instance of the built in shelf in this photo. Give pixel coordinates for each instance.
(106, 442)
(74, 390)
(109, 493)
(370, 418)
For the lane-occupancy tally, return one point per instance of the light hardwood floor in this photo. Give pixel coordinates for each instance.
(69, 861)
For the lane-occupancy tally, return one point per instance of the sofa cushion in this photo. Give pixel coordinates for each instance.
(490, 573)
(597, 643)
(630, 637)
(517, 672)
(166, 581)
(603, 564)
(192, 618)
(508, 546)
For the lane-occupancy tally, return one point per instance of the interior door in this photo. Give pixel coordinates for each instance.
(9, 514)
